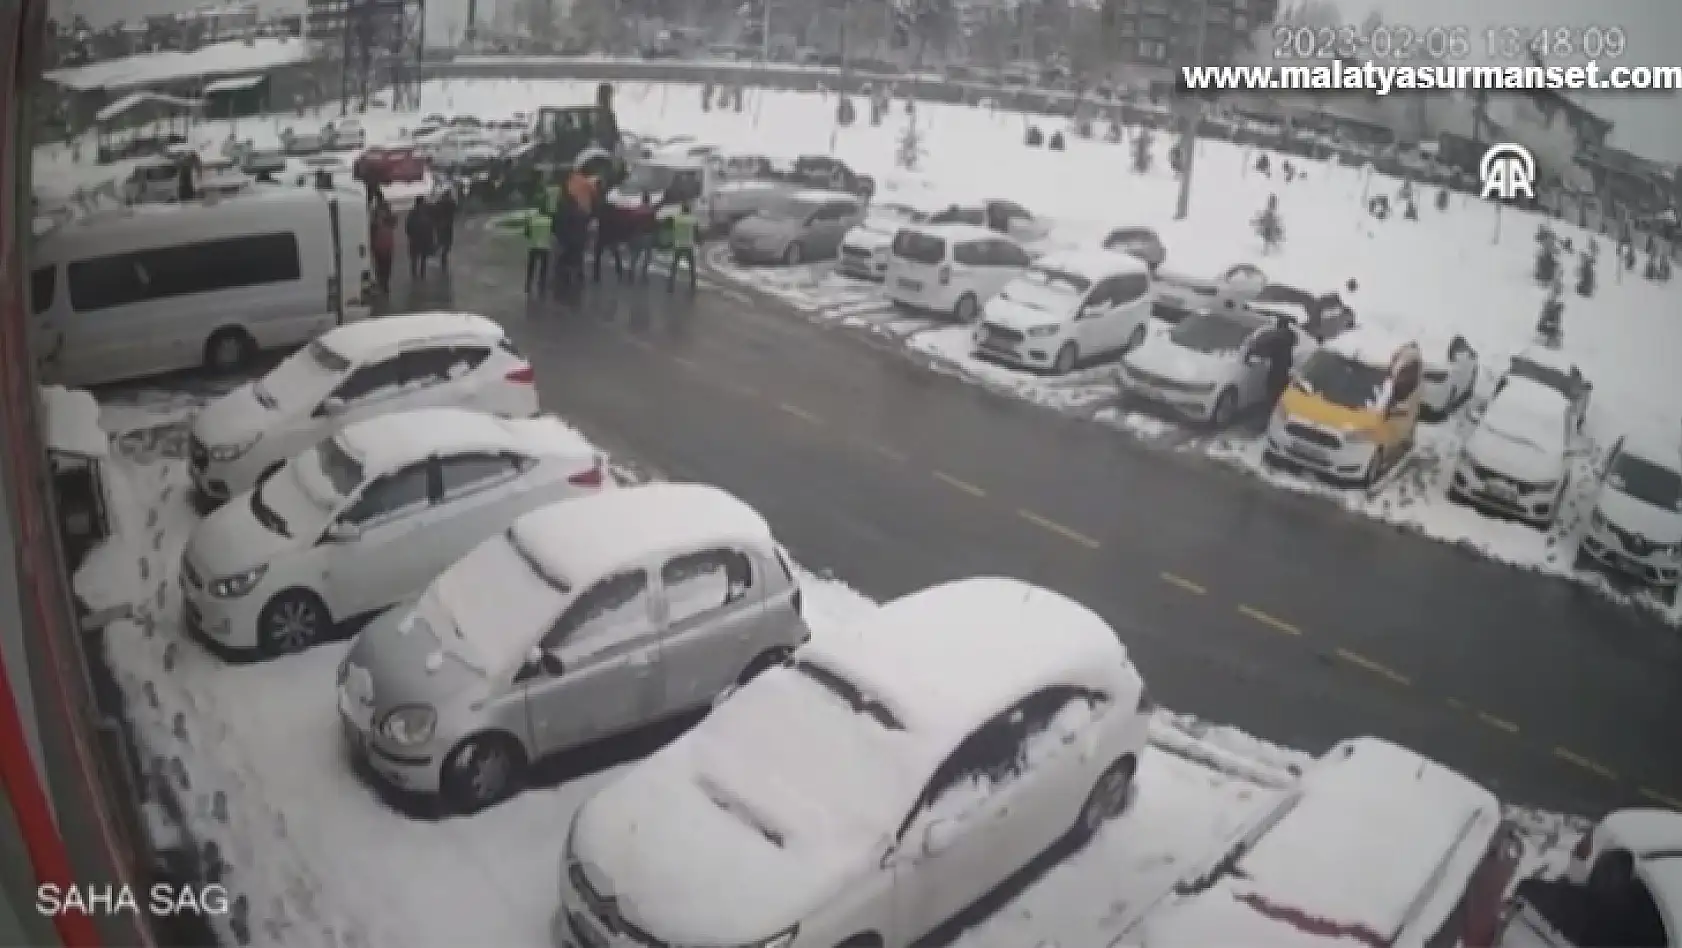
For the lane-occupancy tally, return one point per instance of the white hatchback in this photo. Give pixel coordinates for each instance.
(352, 373)
(951, 268)
(1066, 308)
(871, 789)
(1517, 461)
(367, 518)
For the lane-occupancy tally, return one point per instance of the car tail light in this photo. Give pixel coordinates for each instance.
(945, 274)
(522, 374)
(593, 477)
(1584, 846)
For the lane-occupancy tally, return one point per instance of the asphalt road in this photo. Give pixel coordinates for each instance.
(1246, 605)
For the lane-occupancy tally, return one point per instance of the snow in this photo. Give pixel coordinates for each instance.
(580, 541)
(314, 859)
(366, 337)
(388, 442)
(497, 604)
(1012, 638)
(1093, 263)
(127, 102)
(1367, 345)
(71, 420)
(234, 84)
(1529, 412)
(1648, 827)
(217, 59)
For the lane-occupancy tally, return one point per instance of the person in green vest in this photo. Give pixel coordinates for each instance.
(683, 246)
(537, 250)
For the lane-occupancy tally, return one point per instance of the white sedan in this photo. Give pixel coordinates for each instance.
(1517, 461)
(869, 790)
(355, 372)
(368, 518)
(1207, 367)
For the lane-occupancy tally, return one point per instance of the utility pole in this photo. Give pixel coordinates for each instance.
(765, 33)
(1192, 118)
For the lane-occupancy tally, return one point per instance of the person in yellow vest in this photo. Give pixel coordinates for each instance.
(538, 239)
(683, 246)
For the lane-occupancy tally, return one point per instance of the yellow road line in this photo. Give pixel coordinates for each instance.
(1376, 667)
(1592, 766)
(1195, 589)
(1500, 724)
(1660, 798)
(1277, 625)
(800, 413)
(890, 453)
(959, 484)
(1052, 526)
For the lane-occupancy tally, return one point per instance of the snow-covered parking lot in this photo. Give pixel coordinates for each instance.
(318, 857)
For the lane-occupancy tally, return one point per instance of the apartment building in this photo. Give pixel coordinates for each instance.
(1168, 33)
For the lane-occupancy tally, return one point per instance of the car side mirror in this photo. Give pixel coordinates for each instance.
(330, 406)
(342, 532)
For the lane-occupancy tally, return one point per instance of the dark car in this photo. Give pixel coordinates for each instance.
(822, 171)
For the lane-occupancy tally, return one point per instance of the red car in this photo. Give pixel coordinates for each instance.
(388, 165)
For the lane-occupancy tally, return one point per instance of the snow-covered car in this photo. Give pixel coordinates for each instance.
(303, 172)
(806, 225)
(1141, 242)
(585, 619)
(1322, 316)
(871, 789)
(1351, 412)
(1623, 886)
(866, 249)
(301, 142)
(721, 190)
(1068, 307)
(222, 177)
(455, 149)
(950, 268)
(1292, 876)
(349, 374)
(347, 134)
(388, 164)
(1178, 295)
(1451, 376)
(1005, 217)
(367, 518)
(1518, 460)
(272, 161)
(1206, 367)
(1549, 366)
(1636, 526)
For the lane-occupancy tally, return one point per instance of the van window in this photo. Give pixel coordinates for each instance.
(919, 247)
(164, 272)
(42, 282)
(971, 254)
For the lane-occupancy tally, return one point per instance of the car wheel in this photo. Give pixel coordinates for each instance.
(1225, 404)
(1108, 798)
(1135, 340)
(762, 661)
(1066, 359)
(229, 350)
(292, 621)
(482, 771)
(967, 309)
(794, 255)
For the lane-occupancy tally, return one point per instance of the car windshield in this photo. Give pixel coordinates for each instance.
(1051, 278)
(649, 177)
(306, 376)
(791, 209)
(1647, 482)
(1211, 332)
(1342, 381)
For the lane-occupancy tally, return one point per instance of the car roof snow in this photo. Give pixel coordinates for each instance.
(957, 232)
(1368, 345)
(388, 442)
(1094, 264)
(379, 334)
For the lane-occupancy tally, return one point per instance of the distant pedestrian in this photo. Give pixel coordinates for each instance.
(418, 228)
(640, 225)
(187, 178)
(683, 246)
(444, 225)
(383, 243)
(538, 239)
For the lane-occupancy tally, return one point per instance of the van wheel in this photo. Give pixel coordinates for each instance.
(229, 350)
(1066, 359)
(967, 309)
(482, 771)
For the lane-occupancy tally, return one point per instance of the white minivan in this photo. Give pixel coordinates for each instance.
(950, 268)
(156, 288)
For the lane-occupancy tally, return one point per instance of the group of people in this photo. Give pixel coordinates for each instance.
(574, 220)
(429, 229)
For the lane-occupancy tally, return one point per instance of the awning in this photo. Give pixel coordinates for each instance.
(235, 84)
(128, 102)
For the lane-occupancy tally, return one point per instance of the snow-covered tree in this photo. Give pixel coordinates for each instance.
(1550, 325)
(1269, 226)
(909, 153)
(1585, 275)
(1442, 199)
(1143, 151)
(1547, 263)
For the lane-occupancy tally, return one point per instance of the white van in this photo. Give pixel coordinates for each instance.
(156, 288)
(950, 268)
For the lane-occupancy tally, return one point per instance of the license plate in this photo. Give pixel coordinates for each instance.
(587, 935)
(913, 285)
(1309, 454)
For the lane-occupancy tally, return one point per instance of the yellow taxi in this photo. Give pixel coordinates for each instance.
(1350, 412)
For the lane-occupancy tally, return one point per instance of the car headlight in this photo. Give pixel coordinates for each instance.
(237, 585)
(409, 724)
(223, 453)
(1040, 332)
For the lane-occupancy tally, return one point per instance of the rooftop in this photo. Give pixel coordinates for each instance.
(218, 59)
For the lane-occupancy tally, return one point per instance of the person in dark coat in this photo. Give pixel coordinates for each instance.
(1278, 348)
(186, 178)
(607, 124)
(418, 228)
(444, 225)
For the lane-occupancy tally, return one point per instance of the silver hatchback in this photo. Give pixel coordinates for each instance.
(585, 619)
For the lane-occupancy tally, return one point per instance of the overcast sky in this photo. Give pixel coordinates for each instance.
(1647, 123)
